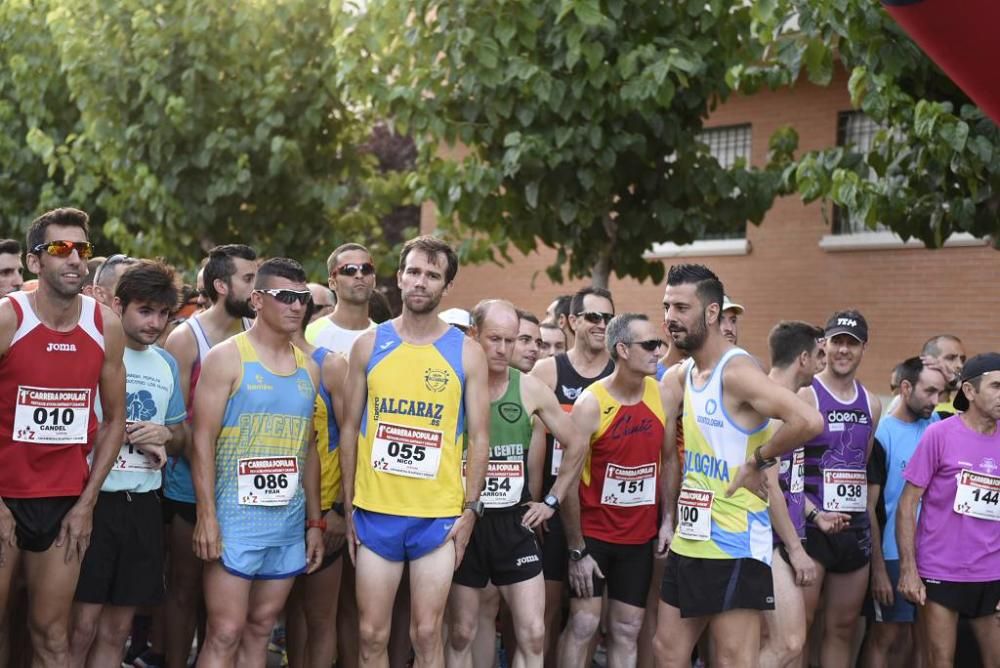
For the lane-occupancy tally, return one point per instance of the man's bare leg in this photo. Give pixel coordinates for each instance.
(845, 594)
(267, 600)
(113, 628)
(524, 600)
(676, 637)
(227, 602)
(311, 617)
(581, 627)
(51, 586)
(786, 625)
(624, 623)
(184, 592)
(463, 626)
(987, 632)
(735, 638)
(939, 628)
(553, 620)
(430, 580)
(376, 580)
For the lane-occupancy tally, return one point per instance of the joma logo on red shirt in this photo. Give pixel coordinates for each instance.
(61, 348)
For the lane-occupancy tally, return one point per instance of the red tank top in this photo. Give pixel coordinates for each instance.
(619, 486)
(48, 384)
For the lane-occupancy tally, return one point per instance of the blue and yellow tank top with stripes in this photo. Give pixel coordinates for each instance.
(327, 439)
(261, 452)
(714, 449)
(410, 445)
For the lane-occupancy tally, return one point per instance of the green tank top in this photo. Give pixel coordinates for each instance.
(510, 436)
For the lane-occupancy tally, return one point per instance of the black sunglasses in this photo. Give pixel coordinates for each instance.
(594, 317)
(288, 296)
(650, 346)
(366, 269)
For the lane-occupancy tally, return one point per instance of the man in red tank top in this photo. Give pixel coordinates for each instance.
(57, 350)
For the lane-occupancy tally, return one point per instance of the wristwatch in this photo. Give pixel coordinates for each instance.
(552, 501)
(577, 553)
(475, 506)
(761, 462)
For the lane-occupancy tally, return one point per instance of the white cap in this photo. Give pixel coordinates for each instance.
(730, 305)
(456, 316)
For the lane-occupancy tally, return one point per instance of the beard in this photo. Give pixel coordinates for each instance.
(428, 307)
(238, 309)
(695, 338)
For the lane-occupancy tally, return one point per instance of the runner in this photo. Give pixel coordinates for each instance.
(558, 313)
(949, 560)
(718, 573)
(415, 386)
(527, 344)
(553, 340)
(729, 322)
(228, 278)
(836, 481)
(11, 278)
(797, 355)
(123, 567)
(896, 439)
(352, 280)
(630, 471)
(323, 300)
(503, 550)
(568, 375)
(949, 353)
(107, 275)
(57, 349)
(256, 471)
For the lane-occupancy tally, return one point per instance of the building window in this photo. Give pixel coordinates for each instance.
(855, 130)
(727, 145)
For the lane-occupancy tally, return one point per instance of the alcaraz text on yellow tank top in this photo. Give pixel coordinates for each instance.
(714, 448)
(410, 444)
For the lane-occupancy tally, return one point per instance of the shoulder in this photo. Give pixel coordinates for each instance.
(181, 341)
(545, 372)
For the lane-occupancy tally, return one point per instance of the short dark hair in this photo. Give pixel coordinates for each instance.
(563, 304)
(549, 325)
(307, 315)
(618, 331)
(576, 305)
(220, 265)
(708, 287)
(379, 308)
(909, 370)
(149, 282)
(530, 317)
(432, 247)
(932, 346)
(789, 339)
(331, 261)
(9, 246)
(66, 217)
(279, 267)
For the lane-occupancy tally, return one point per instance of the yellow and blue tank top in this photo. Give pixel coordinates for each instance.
(267, 422)
(327, 439)
(714, 449)
(410, 445)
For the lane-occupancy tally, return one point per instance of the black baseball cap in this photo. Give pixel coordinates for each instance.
(974, 367)
(847, 322)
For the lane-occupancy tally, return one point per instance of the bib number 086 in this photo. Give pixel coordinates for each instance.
(270, 481)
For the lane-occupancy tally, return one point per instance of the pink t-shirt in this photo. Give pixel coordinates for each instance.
(952, 546)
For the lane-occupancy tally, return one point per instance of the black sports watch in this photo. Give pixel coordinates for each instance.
(475, 506)
(577, 553)
(762, 463)
(552, 501)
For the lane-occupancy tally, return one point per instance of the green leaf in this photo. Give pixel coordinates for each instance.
(589, 12)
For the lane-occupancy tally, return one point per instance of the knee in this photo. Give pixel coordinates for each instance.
(582, 625)
(373, 637)
(666, 653)
(51, 639)
(84, 632)
(531, 636)
(625, 629)
(790, 644)
(225, 634)
(461, 632)
(114, 634)
(425, 634)
(260, 622)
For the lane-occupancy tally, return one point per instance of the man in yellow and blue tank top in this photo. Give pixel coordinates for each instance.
(414, 386)
(256, 476)
(718, 573)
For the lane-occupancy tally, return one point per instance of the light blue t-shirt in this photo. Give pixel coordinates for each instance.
(898, 439)
(152, 394)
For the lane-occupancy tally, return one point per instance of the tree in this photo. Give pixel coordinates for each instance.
(933, 168)
(581, 120)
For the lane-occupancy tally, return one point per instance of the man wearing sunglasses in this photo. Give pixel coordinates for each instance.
(229, 276)
(568, 375)
(415, 388)
(10, 267)
(352, 279)
(107, 275)
(256, 472)
(57, 349)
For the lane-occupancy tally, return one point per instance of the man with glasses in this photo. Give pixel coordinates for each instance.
(57, 349)
(568, 375)
(107, 275)
(229, 276)
(10, 267)
(629, 482)
(255, 471)
(323, 301)
(352, 279)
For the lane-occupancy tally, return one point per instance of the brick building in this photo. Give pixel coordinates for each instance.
(796, 264)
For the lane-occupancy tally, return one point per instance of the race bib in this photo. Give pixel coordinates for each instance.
(267, 481)
(131, 458)
(406, 451)
(798, 473)
(51, 416)
(978, 495)
(845, 490)
(557, 453)
(504, 484)
(628, 486)
(694, 514)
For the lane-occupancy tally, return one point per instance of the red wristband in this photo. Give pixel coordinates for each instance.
(316, 524)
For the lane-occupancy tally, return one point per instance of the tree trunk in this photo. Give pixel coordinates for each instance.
(600, 271)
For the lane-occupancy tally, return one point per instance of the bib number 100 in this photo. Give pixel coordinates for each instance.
(406, 451)
(54, 416)
(689, 514)
(270, 481)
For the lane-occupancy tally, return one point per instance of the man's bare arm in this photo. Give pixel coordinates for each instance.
(355, 394)
(477, 412)
(586, 416)
(563, 428)
(112, 390)
(545, 371)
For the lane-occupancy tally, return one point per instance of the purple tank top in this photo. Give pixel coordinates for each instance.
(791, 476)
(842, 445)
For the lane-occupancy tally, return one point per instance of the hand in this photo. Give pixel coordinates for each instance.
(802, 564)
(665, 537)
(881, 585)
(911, 586)
(581, 576)
(831, 522)
(147, 433)
(536, 514)
(7, 533)
(314, 549)
(750, 477)
(336, 530)
(75, 531)
(461, 532)
(350, 537)
(207, 541)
